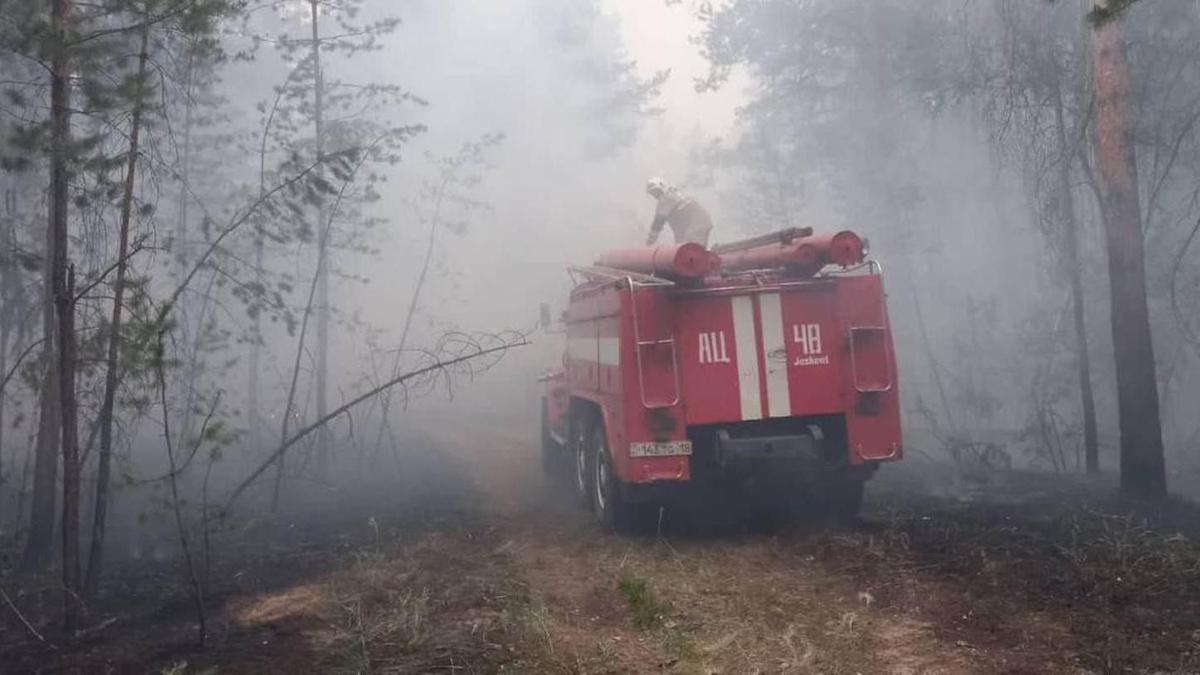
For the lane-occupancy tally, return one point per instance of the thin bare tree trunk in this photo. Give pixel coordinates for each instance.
(254, 415)
(3, 369)
(70, 451)
(1075, 273)
(291, 396)
(1143, 471)
(185, 164)
(301, 339)
(934, 368)
(386, 399)
(104, 468)
(323, 438)
(192, 326)
(40, 546)
(7, 310)
(176, 503)
(5, 331)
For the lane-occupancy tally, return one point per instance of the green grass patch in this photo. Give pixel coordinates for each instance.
(646, 610)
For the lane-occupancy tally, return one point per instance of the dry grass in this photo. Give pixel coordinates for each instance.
(1045, 576)
(1051, 573)
(442, 602)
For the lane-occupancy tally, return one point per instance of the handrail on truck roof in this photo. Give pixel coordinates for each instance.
(597, 272)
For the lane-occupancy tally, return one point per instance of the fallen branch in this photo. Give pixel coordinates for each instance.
(28, 626)
(299, 435)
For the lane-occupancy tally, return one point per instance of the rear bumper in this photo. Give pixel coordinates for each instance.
(790, 448)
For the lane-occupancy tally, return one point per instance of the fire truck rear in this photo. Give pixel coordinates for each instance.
(761, 369)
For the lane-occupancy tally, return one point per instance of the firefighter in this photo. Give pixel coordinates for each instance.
(689, 221)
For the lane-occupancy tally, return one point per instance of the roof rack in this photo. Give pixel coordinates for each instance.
(600, 273)
(785, 236)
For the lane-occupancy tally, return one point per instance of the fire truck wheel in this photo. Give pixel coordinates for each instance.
(580, 456)
(607, 505)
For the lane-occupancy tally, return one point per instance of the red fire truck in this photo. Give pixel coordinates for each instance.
(763, 367)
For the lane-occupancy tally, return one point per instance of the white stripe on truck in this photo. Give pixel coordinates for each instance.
(774, 345)
(746, 347)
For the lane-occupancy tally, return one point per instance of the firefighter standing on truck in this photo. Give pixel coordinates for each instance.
(689, 221)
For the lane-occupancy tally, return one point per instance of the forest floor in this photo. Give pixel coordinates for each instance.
(473, 563)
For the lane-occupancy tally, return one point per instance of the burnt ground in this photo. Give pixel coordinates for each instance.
(471, 562)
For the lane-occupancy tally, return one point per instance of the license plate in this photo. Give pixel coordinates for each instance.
(667, 449)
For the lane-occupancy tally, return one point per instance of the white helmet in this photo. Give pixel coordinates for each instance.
(656, 185)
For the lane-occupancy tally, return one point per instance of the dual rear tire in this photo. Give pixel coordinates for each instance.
(594, 478)
(586, 460)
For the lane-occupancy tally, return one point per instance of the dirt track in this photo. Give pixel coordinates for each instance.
(473, 563)
(887, 597)
(731, 604)
(927, 585)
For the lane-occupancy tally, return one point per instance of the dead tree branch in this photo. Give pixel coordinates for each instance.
(439, 367)
(28, 626)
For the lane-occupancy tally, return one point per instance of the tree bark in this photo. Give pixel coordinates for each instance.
(40, 546)
(65, 302)
(1143, 473)
(104, 468)
(4, 330)
(1091, 450)
(9, 292)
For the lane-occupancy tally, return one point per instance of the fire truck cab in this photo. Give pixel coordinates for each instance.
(762, 369)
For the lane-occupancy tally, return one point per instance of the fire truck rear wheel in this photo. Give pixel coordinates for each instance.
(607, 505)
(580, 450)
